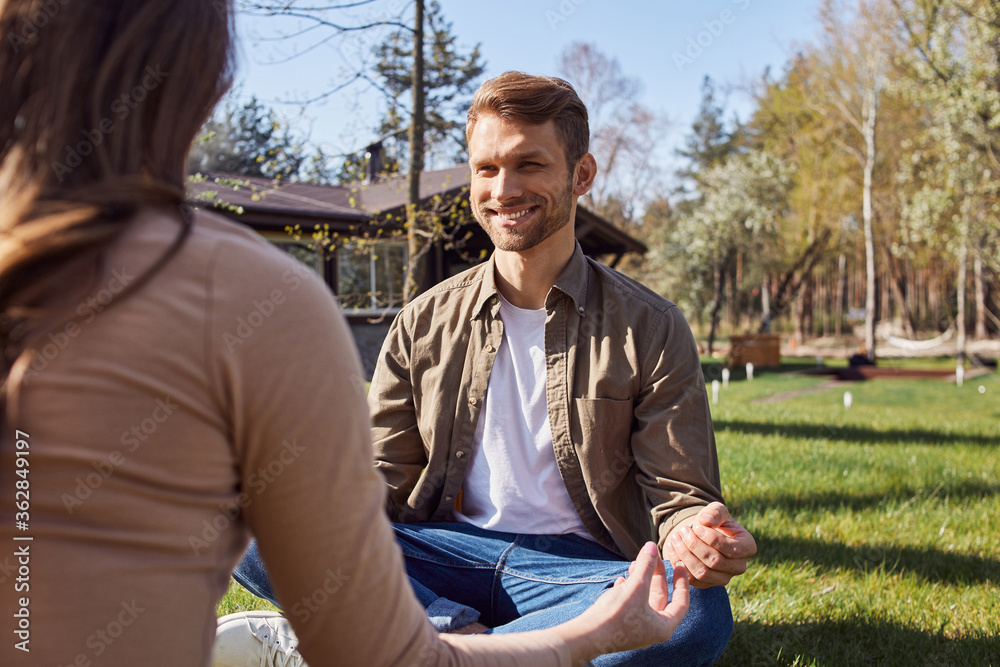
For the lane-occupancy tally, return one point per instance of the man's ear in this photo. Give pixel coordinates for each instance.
(583, 176)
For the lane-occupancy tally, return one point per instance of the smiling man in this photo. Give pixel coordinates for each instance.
(539, 417)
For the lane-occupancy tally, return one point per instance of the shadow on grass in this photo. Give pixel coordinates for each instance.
(849, 643)
(856, 434)
(955, 490)
(932, 565)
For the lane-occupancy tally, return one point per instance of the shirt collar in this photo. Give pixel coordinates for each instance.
(488, 292)
(574, 279)
(572, 282)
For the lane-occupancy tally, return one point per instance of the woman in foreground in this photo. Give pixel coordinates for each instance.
(173, 384)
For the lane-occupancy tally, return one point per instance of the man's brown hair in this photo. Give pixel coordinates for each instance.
(535, 100)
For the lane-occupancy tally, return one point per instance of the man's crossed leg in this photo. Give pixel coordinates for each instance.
(515, 583)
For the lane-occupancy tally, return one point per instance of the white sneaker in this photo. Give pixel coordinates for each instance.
(255, 638)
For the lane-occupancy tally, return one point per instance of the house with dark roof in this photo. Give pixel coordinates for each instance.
(354, 238)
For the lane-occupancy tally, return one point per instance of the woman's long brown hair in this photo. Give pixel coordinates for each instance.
(100, 101)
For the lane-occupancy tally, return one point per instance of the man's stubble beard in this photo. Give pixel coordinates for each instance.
(550, 222)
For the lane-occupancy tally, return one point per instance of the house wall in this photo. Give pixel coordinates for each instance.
(369, 338)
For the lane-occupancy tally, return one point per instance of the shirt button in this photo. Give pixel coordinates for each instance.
(447, 498)
(473, 401)
(581, 311)
(459, 454)
(490, 349)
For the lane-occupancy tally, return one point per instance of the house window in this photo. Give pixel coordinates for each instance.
(370, 276)
(303, 251)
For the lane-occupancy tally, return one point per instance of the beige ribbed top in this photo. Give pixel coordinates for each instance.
(224, 398)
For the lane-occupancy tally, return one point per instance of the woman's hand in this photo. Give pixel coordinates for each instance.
(634, 614)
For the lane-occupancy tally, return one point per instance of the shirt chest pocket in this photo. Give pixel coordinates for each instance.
(601, 429)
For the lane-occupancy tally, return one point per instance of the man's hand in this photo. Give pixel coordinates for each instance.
(712, 546)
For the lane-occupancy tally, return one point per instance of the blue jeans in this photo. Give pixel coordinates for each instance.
(515, 583)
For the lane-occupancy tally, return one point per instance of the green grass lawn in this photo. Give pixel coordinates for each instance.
(238, 599)
(878, 527)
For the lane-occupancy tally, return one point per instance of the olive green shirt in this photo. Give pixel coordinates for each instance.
(626, 398)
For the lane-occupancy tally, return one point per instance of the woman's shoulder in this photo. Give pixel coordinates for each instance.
(215, 230)
(226, 266)
(215, 249)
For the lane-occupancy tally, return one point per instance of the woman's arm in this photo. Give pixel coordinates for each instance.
(316, 504)
(634, 614)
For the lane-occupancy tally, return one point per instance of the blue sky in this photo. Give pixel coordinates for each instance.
(669, 45)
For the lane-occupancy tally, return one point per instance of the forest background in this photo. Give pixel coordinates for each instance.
(847, 193)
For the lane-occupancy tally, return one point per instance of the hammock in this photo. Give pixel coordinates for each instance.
(917, 345)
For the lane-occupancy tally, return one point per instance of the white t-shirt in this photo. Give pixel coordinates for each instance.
(513, 483)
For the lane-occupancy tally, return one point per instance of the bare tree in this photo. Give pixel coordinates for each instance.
(624, 133)
(325, 24)
(855, 63)
(954, 61)
(416, 166)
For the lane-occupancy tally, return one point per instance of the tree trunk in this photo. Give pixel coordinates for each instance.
(809, 310)
(963, 260)
(980, 280)
(765, 305)
(838, 311)
(800, 311)
(870, 102)
(884, 309)
(719, 281)
(992, 279)
(963, 274)
(896, 286)
(731, 300)
(934, 296)
(735, 295)
(416, 166)
(793, 279)
(827, 306)
(912, 294)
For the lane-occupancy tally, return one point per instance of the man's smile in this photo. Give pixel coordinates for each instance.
(511, 215)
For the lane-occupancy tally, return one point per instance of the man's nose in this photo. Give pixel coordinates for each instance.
(507, 185)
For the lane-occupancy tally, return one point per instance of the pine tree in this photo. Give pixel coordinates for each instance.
(247, 139)
(709, 143)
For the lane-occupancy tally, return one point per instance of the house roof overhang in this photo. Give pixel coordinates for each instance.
(275, 205)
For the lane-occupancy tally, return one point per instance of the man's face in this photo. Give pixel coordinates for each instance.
(522, 190)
